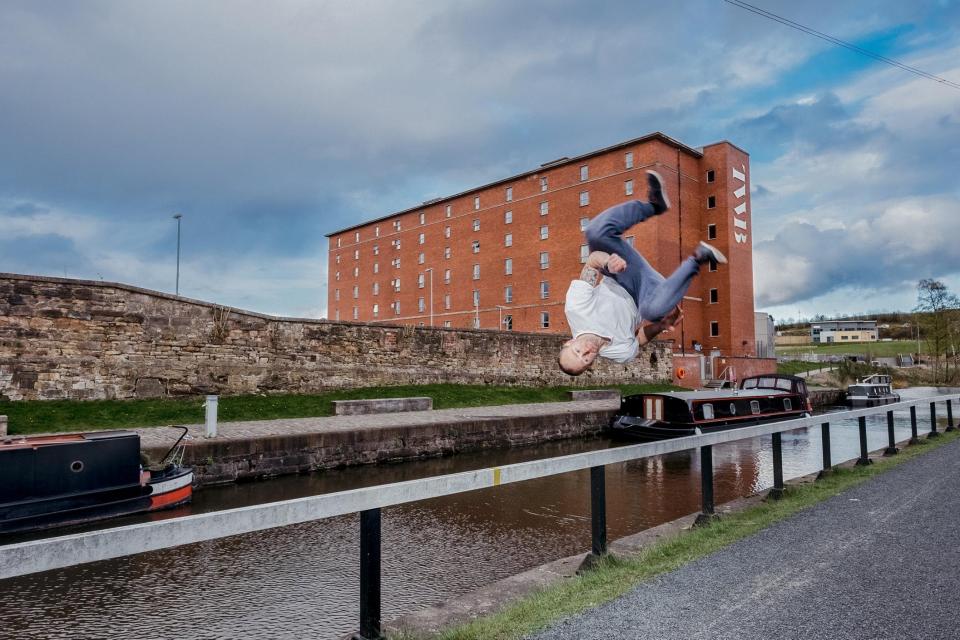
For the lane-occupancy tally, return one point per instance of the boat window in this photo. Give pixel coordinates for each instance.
(787, 405)
(783, 383)
(767, 383)
(750, 384)
(708, 411)
(733, 409)
(754, 407)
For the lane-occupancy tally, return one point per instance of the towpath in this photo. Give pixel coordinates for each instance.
(879, 561)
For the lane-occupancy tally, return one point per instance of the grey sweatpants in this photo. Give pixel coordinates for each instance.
(655, 295)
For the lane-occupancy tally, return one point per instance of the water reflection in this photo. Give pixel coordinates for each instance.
(303, 580)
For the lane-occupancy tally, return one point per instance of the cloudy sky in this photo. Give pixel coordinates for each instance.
(268, 125)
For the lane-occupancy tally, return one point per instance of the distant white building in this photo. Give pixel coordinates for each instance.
(766, 334)
(843, 331)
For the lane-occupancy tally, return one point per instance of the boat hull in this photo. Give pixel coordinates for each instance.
(643, 430)
(871, 402)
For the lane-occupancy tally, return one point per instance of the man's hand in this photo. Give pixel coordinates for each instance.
(616, 264)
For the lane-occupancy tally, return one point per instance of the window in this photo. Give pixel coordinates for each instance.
(628, 187)
(508, 266)
(508, 323)
(584, 173)
(509, 194)
(356, 254)
(543, 184)
(714, 298)
(446, 253)
(396, 225)
(395, 283)
(338, 243)
(376, 310)
(711, 175)
(376, 231)
(711, 232)
(420, 305)
(733, 408)
(376, 288)
(420, 280)
(476, 224)
(476, 272)
(628, 160)
(711, 202)
(356, 291)
(787, 405)
(476, 297)
(446, 232)
(376, 249)
(396, 263)
(544, 290)
(755, 407)
(420, 258)
(544, 208)
(337, 275)
(544, 232)
(423, 218)
(507, 217)
(544, 319)
(446, 276)
(447, 324)
(449, 211)
(396, 243)
(356, 237)
(584, 198)
(713, 266)
(584, 253)
(544, 259)
(336, 294)
(338, 259)
(476, 322)
(421, 239)
(336, 316)
(708, 411)
(583, 223)
(475, 246)
(476, 203)
(356, 313)
(446, 301)
(396, 307)
(508, 240)
(508, 294)
(356, 271)
(714, 328)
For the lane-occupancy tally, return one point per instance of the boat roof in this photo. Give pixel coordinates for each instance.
(31, 442)
(722, 394)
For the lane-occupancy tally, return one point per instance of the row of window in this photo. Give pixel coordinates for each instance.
(508, 197)
(506, 320)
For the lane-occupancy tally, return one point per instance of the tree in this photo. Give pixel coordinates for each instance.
(938, 307)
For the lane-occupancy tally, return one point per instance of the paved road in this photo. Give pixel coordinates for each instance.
(879, 561)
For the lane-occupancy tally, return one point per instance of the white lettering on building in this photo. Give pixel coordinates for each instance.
(741, 208)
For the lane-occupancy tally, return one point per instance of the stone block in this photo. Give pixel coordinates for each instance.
(381, 405)
(594, 394)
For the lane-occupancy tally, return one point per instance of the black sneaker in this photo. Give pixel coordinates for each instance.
(708, 253)
(655, 193)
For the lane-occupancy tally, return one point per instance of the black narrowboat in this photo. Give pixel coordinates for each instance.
(757, 399)
(61, 480)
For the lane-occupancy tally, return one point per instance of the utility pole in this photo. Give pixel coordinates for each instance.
(177, 217)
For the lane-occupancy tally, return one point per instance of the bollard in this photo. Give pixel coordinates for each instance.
(950, 426)
(3, 425)
(707, 512)
(598, 511)
(211, 405)
(370, 575)
(777, 492)
(914, 438)
(933, 421)
(825, 440)
(864, 458)
(891, 449)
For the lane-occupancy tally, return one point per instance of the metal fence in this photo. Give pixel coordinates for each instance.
(54, 553)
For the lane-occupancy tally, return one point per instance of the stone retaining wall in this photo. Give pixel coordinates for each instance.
(80, 339)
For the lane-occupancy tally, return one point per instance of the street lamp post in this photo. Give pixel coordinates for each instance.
(430, 269)
(177, 217)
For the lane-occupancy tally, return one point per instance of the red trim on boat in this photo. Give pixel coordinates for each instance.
(171, 498)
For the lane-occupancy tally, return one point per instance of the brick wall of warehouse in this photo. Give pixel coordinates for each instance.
(63, 338)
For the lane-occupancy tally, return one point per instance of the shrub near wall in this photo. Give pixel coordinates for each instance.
(81, 339)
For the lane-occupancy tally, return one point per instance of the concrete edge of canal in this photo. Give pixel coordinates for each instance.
(493, 597)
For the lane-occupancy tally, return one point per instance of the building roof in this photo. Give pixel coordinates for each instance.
(552, 164)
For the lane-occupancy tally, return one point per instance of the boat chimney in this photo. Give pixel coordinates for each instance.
(3, 425)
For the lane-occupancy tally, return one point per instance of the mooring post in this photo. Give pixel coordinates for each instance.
(825, 440)
(598, 510)
(370, 575)
(933, 421)
(864, 458)
(950, 426)
(707, 513)
(891, 449)
(777, 492)
(914, 438)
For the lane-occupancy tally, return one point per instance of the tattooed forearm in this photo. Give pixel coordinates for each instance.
(590, 275)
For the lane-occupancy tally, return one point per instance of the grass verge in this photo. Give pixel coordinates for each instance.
(615, 576)
(793, 367)
(45, 416)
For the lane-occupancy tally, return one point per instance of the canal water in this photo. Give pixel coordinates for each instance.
(303, 580)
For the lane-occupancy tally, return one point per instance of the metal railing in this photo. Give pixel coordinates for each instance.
(54, 553)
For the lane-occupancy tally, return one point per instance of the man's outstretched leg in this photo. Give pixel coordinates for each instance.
(657, 299)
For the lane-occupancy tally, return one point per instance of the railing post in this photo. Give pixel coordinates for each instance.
(825, 440)
(370, 575)
(598, 510)
(914, 438)
(933, 421)
(707, 513)
(950, 426)
(891, 449)
(864, 458)
(777, 491)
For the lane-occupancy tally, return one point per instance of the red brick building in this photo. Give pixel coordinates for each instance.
(503, 254)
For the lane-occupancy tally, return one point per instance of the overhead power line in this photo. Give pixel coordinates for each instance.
(840, 43)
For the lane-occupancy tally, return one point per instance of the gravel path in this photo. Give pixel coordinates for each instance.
(879, 561)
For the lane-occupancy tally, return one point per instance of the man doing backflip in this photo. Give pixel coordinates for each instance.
(620, 302)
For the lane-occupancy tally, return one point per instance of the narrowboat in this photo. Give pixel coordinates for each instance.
(872, 391)
(62, 480)
(757, 399)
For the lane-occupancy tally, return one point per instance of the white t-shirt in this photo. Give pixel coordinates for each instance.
(606, 310)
